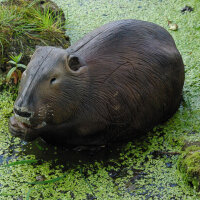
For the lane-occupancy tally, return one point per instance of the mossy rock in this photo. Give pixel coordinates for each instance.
(25, 24)
(189, 166)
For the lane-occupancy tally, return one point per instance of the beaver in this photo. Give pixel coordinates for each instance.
(121, 79)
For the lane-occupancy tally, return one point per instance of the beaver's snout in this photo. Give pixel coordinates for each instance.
(22, 130)
(21, 113)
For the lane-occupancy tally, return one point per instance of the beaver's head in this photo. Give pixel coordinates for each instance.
(50, 92)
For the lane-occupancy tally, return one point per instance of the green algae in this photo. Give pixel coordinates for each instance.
(20, 162)
(145, 168)
(189, 165)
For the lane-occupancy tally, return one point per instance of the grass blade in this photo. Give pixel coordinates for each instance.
(9, 74)
(39, 147)
(21, 162)
(47, 181)
(18, 58)
(28, 193)
(87, 182)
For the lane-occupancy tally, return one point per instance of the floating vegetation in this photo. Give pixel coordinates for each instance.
(48, 181)
(144, 169)
(21, 162)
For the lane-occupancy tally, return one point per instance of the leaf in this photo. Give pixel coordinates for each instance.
(21, 162)
(9, 74)
(12, 57)
(48, 181)
(12, 62)
(18, 58)
(172, 26)
(21, 65)
(19, 73)
(39, 146)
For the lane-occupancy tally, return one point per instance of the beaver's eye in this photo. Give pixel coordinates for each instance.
(53, 80)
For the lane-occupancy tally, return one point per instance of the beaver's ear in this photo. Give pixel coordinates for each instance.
(74, 62)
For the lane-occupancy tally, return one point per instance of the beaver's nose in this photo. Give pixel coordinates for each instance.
(22, 112)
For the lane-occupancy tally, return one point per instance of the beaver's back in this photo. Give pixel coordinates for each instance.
(136, 72)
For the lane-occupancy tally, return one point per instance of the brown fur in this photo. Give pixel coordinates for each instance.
(124, 77)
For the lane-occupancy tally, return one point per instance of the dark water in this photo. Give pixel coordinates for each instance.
(73, 156)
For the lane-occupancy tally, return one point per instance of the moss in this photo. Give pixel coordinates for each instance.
(189, 165)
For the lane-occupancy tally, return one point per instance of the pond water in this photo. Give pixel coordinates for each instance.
(144, 168)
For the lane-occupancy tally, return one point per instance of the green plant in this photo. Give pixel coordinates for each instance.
(46, 20)
(15, 71)
(25, 24)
